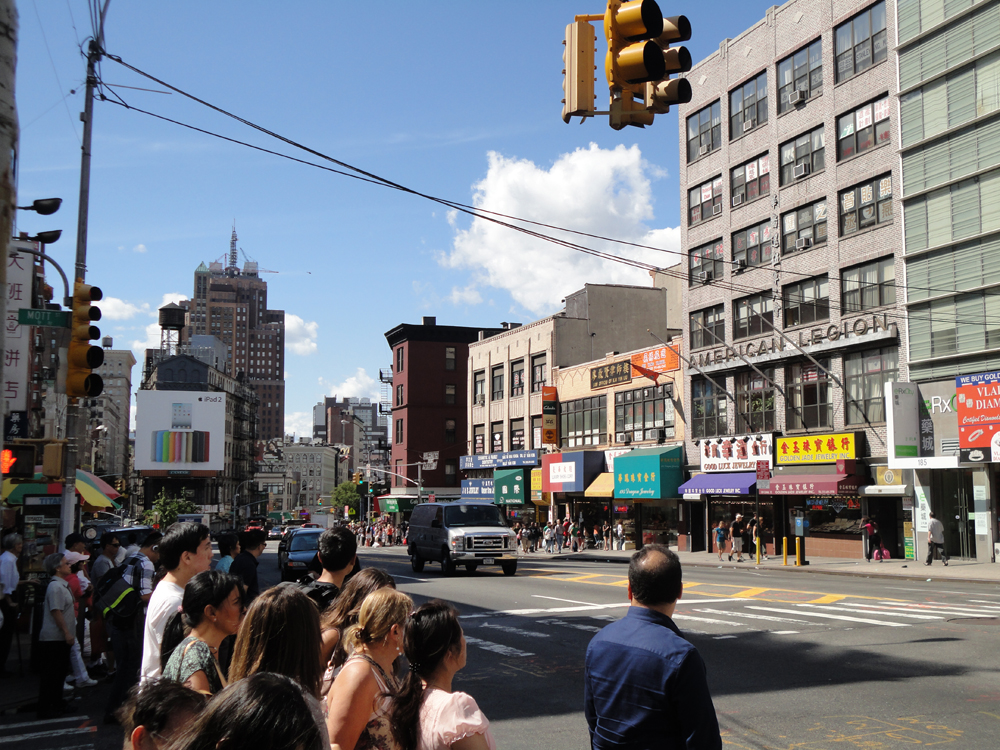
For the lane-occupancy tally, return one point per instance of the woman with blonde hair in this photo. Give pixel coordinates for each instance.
(356, 705)
(344, 613)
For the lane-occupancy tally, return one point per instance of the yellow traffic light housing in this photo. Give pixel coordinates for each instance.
(578, 70)
(83, 357)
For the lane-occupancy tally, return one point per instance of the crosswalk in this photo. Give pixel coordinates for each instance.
(64, 733)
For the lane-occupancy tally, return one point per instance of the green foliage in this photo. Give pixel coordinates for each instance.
(166, 509)
(346, 494)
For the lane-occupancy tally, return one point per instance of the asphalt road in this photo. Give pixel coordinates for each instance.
(810, 662)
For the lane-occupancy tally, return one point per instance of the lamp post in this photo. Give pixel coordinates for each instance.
(236, 506)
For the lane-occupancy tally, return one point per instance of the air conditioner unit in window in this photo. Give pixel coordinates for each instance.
(705, 276)
(716, 209)
(480, 399)
(748, 125)
(796, 97)
(619, 437)
(739, 265)
(703, 150)
(737, 200)
(803, 243)
(801, 170)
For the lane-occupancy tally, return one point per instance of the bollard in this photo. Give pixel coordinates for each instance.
(784, 550)
(798, 550)
(758, 550)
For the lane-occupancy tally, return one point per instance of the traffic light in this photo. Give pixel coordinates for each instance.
(356, 477)
(83, 356)
(18, 461)
(660, 94)
(578, 70)
(52, 461)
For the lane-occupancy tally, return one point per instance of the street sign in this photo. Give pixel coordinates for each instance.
(763, 470)
(431, 498)
(763, 484)
(27, 316)
(430, 456)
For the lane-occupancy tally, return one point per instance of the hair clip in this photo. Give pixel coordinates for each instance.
(415, 668)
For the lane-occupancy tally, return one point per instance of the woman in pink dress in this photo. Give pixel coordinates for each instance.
(425, 713)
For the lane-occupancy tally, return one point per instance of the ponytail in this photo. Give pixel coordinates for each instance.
(405, 711)
(174, 632)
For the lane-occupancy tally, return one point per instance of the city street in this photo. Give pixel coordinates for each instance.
(815, 662)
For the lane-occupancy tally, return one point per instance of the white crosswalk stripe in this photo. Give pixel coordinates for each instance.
(869, 612)
(754, 617)
(845, 618)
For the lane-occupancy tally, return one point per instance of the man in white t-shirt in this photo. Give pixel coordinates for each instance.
(185, 551)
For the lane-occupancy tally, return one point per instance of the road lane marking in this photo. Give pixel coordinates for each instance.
(834, 617)
(875, 608)
(952, 611)
(750, 592)
(730, 623)
(573, 625)
(568, 601)
(713, 601)
(784, 632)
(497, 648)
(515, 631)
(40, 722)
(411, 578)
(752, 617)
(542, 611)
(829, 599)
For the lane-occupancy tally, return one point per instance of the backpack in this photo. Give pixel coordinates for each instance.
(115, 597)
(324, 594)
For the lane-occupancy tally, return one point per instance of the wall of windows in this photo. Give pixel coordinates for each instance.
(865, 374)
(753, 315)
(806, 223)
(966, 324)
(809, 396)
(517, 378)
(952, 213)
(861, 42)
(708, 327)
(868, 286)
(537, 373)
(644, 414)
(863, 129)
(916, 16)
(972, 35)
(748, 106)
(750, 181)
(708, 409)
(707, 259)
(803, 72)
(583, 422)
(755, 402)
(807, 151)
(702, 201)
(806, 301)
(704, 131)
(954, 269)
(753, 244)
(971, 150)
(866, 205)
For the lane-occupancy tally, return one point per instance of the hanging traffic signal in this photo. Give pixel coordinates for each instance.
(18, 461)
(83, 356)
(578, 70)
(660, 94)
(627, 111)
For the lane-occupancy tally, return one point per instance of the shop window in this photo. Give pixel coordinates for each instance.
(809, 396)
(704, 131)
(803, 227)
(708, 327)
(806, 301)
(865, 375)
(537, 373)
(801, 74)
(863, 129)
(644, 414)
(866, 205)
(869, 286)
(861, 42)
(755, 402)
(705, 201)
(748, 106)
(517, 378)
(583, 422)
(706, 263)
(753, 315)
(496, 381)
(750, 181)
(752, 246)
(708, 409)
(803, 156)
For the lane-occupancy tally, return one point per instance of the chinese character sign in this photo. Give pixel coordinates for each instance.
(816, 449)
(660, 359)
(16, 354)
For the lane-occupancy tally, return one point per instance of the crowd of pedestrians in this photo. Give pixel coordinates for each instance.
(554, 537)
(380, 533)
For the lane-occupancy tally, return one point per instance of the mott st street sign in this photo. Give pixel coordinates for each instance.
(50, 318)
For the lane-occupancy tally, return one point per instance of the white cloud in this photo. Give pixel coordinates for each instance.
(599, 191)
(140, 248)
(113, 308)
(468, 296)
(300, 336)
(152, 341)
(172, 297)
(299, 423)
(359, 385)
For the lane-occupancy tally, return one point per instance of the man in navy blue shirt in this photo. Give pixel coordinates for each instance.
(645, 686)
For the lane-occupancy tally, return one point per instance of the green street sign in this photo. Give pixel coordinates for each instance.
(27, 316)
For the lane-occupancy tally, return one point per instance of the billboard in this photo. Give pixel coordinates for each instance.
(180, 431)
(978, 407)
(922, 425)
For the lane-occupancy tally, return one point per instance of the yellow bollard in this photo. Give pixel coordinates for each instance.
(758, 550)
(798, 550)
(784, 550)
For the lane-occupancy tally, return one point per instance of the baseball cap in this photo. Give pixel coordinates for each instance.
(74, 557)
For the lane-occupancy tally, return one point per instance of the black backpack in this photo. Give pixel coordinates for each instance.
(115, 597)
(324, 594)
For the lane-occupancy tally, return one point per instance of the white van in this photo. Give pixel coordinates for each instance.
(461, 533)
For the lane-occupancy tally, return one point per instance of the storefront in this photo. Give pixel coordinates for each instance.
(648, 480)
(567, 476)
(510, 491)
(501, 478)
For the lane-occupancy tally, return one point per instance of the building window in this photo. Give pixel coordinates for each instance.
(750, 181)
(801, 72)
(866, 374)
(803, 156)
(479, 388)
(449, 431)
(583, 422)
(861, 42)
(809, 396)
(536, 432)
(748, 106)
(708, 328)
(496, 437)
(753, 315)
(399, 395)
(399, 431)
(862, 129)
(755, 401)
(496, 380)
(868, 286)
(866, 205)
(517, 378)
(704, 131)
(537, 373)
(705, 201)
(708, 409)
(706, 263)
(803, 227)
(449, 358)
(479, 439)
(399, 359)
(807, 302)
(517, 434)
(752, 245)
(449, 394)
(644, 414)
(450, 473)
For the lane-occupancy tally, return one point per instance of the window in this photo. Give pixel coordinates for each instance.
(753, 315)
(517, 434)
(583, 422)
(479, 387)
(479, 439)
(809, 396)
(399, 359)
(450, 473)
(748, 106)
(750, 181)
(536, 432)
(496, 380)
(644, 414)
(449, 358)
(807, 302)
(702, 201)
(704, 131)
(708, 409)
(399, 395)
(755, 401)
(862, 129)
(803, 156)
(449, 431)
(865, 374)
(868, 286)
(804, 227)
(802, 72)
(449, 394)
(861, 42)
(399, 431)
(517, 378)
(706, 263)
(866, 205)
(753, 245)
(708, 327)
(537, 373)
(496, 437)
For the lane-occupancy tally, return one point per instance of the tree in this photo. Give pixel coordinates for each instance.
(166, 509)
(346, 494)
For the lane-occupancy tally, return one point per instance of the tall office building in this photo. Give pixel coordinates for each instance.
(230, 303)
(111, 412)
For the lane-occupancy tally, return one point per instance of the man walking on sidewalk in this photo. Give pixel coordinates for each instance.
(935, 539)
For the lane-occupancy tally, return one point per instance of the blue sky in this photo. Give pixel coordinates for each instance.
(455, 99)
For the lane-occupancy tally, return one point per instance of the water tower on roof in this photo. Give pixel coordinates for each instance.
(172, 320)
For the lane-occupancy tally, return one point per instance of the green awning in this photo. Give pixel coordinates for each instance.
(510, 486)
(649, 473)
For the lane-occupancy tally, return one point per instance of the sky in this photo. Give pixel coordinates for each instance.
(455, 100)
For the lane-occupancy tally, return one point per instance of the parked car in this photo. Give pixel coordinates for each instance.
(469, 534)
(297, 553)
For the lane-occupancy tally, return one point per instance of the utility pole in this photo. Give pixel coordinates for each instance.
(8, 147)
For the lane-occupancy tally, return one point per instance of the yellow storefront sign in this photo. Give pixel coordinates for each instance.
(816, 449)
